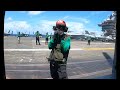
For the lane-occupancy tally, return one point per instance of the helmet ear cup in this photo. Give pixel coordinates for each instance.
(54, 28)
(66, 29)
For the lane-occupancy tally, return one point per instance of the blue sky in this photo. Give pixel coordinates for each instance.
(31, 21)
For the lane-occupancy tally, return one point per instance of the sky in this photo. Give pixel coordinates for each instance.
(31, 21)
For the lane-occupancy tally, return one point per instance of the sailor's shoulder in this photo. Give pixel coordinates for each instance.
(67, 35)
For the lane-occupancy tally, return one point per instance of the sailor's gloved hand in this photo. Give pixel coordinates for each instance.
(56, 37)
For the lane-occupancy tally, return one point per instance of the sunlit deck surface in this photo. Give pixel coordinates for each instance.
(28, 60)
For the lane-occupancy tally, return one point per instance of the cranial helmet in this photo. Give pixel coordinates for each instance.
(60, 24)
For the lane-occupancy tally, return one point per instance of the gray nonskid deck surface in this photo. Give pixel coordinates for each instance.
(34, 65)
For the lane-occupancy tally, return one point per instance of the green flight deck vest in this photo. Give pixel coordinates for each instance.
(56, 53)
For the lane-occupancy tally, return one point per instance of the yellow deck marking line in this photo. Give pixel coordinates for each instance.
(72, 49)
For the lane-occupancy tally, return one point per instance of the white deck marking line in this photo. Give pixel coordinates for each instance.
(28, 70)
(26, 50)
(72, 49)
(90, 74)
(26, 64)
(36, 49)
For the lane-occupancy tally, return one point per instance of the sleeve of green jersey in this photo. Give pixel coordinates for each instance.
(50, 44)
(65, 44)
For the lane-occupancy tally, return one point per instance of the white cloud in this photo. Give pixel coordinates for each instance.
(46, 26)
(43, 26)
(75, 27)
(66, 17)
(84, 20)
(99, 34)
(35, 12)
(16, 26)
(9, 19)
